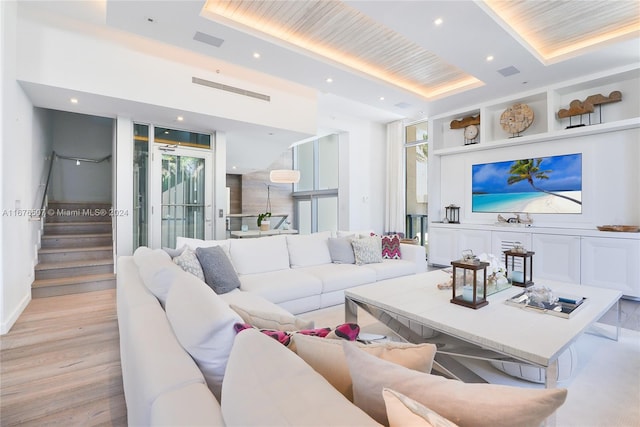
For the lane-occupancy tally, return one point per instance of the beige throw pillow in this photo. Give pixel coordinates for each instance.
(267, 320)
(327, 357)
(464, 404)
(403, 412)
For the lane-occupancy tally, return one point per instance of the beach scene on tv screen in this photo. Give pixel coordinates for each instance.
(535, 185)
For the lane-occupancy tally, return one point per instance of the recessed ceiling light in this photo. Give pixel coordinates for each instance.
(234, 167)
(180, 118)
(256, 55)
(382, 98)
(489, 58)
(329, 80)
(74, 100)
(438, 21)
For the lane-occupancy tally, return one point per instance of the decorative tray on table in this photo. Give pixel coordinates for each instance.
(566, 305)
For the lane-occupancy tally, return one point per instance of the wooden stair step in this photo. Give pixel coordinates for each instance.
(49, 255)
(80, 227)
(54, 270)
(78, 249)
(76, 240)
(42, 288)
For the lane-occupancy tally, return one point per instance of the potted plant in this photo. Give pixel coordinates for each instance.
(263, 221)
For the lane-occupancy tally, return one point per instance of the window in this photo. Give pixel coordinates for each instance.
(316, 195)
(416, 156)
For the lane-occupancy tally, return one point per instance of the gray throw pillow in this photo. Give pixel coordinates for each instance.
(341, 250)
(218, 270)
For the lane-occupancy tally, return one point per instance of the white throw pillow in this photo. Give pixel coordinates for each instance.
(310, 250)
(203, 323)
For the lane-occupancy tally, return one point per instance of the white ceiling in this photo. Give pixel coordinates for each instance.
(469, 33)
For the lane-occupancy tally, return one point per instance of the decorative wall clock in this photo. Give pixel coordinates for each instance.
(470, 126)
(516, 119)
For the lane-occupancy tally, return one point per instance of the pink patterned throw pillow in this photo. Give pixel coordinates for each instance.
(390, 246)
(346, 331)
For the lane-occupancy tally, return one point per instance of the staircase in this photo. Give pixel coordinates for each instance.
(76, 253)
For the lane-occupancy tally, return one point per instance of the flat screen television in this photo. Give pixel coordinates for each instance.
(534, 185)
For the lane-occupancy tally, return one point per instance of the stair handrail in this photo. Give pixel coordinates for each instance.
(82, 159)
(39, 213)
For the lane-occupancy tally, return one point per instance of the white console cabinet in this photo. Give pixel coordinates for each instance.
(589, 257)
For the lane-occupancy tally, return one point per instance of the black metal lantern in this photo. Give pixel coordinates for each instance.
(470, 283)
(519, 264)
(452, 214)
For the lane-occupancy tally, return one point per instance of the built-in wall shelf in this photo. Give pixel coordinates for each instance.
(545, 105)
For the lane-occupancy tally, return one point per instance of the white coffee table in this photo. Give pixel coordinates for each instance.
(495, 332)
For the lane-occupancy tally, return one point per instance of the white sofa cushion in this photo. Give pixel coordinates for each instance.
(308, 250)
(203, 323)
(283, 285)
(191, 405)
(390, 268)
(277, 388)
(337, 277)
(251, 256)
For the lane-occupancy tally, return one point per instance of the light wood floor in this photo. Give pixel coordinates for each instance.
(60, 364)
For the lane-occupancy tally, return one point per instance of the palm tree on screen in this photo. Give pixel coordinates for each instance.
(529, 169)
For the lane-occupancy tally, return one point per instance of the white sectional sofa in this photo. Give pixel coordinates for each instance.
(183, 364)
(297, 273)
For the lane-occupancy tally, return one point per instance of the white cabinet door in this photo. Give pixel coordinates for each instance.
(612, 263)
(556, 258)
(443, 246)
(503, 241)
(479, 241)
(447, 244)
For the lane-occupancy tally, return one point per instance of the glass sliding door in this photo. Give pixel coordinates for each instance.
(183, 200)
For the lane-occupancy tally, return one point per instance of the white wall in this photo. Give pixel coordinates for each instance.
(610, 178)
(119, 67)
(24, 147)
(87, 137)
(362, 167)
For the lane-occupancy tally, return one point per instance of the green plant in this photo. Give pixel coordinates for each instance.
(262, 216)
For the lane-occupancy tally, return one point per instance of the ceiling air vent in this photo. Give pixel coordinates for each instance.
(402, 105)
(232, 89)
(208, 39)
(509, 71)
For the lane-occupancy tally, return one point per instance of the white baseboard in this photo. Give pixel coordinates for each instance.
(8, 324)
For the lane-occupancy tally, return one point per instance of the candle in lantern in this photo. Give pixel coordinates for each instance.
(517, 276)
(467, 293)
